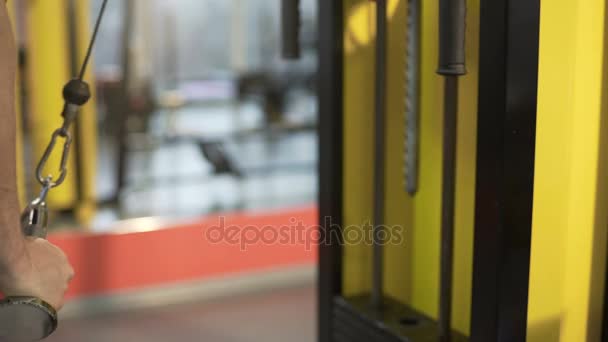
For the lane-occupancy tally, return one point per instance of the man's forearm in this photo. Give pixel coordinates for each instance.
(11, 240)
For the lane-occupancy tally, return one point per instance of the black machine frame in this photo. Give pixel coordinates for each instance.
(508, 79)
(508, 72)
(330, 22)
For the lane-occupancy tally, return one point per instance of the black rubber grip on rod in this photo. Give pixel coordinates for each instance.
(452, 27)
(290, 28)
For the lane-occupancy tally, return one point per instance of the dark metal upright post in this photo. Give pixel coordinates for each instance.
(379, 155)
(290, 28)
(452, 20)
(330, 43)
(122, 148)
(504, 189)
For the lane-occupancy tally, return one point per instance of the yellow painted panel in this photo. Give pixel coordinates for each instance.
(398, 257)
(358, 137)
(552, 149)
(48, 71)
(87, 119)
(569, 216)
(425, 242)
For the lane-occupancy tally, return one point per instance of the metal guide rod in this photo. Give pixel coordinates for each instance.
(452, 21)
(447, 206)
(379, 155)
(127, 33)
(290, 28)
(412, 97)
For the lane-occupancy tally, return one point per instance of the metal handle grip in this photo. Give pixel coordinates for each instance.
(22, 318)
(34, 220)
(290, 28)
(452, 27)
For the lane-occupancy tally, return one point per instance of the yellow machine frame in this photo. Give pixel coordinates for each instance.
(570, 194)
(49, 69)
(411, 274)
(568, 261)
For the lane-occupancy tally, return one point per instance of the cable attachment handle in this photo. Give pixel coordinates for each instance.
(76, 93)
(34, 218)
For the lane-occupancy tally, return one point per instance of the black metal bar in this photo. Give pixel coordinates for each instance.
(290, 28)
(356, 321)
(379, 153)
(490, 126)
(126, 62)
(450, 120)
(452, 24)
(330, 21)
(508, 71)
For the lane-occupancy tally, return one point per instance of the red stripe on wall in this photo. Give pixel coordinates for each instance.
(106, 263)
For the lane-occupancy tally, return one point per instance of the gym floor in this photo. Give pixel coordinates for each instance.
(284, 315)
